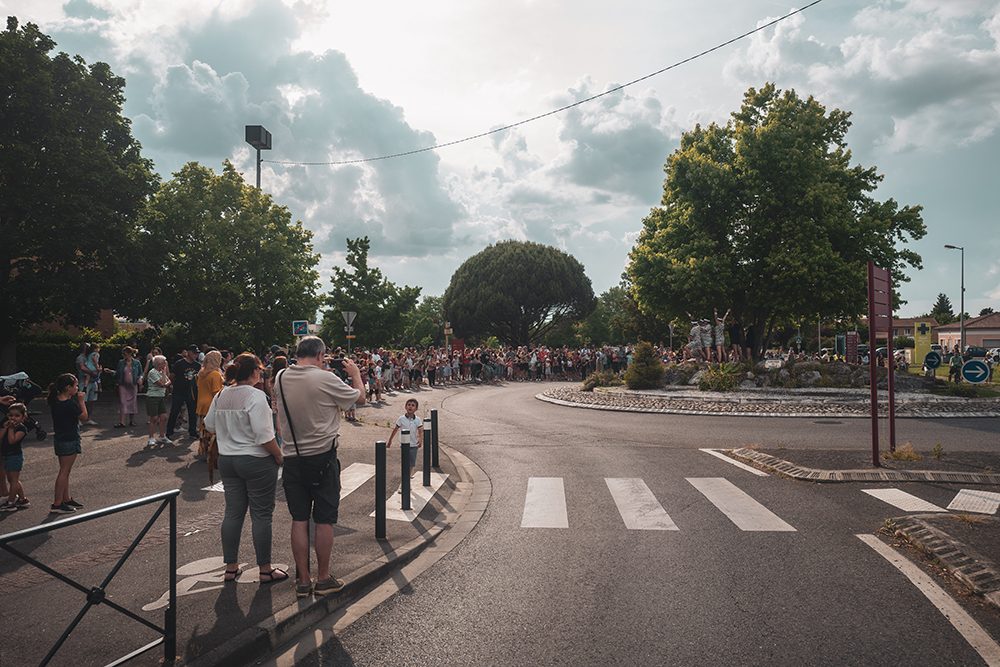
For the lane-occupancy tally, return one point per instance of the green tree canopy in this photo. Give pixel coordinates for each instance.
(225, 261)
(617, 319)
(767, 216)
(379, 303)
(424, 325)
(72, 181)
(988, 310)
(517, 291)
(943, 311)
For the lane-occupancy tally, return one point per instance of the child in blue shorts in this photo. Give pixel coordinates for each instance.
(11, 436)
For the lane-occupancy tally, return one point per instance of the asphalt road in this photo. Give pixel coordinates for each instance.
(707, 593)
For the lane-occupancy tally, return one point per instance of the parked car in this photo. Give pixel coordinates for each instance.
(974, 352)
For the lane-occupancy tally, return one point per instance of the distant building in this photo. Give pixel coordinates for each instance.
(981, 331)
(904, 326)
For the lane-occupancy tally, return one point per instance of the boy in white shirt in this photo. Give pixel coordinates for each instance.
(412, 423)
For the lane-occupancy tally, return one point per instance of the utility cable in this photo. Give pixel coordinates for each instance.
(560, 109)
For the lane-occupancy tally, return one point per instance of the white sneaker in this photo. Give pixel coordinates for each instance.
(90, 422)
(151, 442)
(164, 441)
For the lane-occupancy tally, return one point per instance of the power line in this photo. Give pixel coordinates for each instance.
(560, 109)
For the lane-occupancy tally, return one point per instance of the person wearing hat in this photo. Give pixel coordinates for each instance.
(183, 375)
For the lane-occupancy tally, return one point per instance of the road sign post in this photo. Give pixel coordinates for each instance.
(975, 371)
(349, 321)
(880, 321)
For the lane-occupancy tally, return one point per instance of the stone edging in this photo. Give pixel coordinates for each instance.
(723, 407)
(978, 573)
(271, 633)
(788, 469)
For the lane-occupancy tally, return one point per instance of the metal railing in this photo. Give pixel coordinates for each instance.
(97, 595)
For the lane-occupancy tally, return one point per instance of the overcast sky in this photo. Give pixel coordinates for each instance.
(344, 80)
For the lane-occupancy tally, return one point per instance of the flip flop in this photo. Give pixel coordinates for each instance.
(231, 574)
(274, 576)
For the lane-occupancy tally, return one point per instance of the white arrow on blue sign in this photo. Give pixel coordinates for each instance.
(933, 359)
(975, 371)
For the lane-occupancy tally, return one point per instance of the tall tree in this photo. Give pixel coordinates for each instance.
(517, 291)
(225, 260)
(379, 303)
(424, 325)
(617, 319)
(988, 310)
(943, 311)
(72, 181)
(767, 216)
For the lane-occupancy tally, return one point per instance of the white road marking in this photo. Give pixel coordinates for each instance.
(739, 464)
(976, 500)
(740, 508)
(420, 495)
(638, 506)
(903, 500)
(545, 504)
(219, 488)
(958, 617)
(354, 476)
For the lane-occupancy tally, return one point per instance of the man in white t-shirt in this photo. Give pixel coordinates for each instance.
(309, 401)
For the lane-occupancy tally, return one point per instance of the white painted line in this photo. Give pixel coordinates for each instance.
(545, 504)
(958, 617)
(975, 500)
(739, 464)
(420, 495)
(354, 476)
(638, 506)
(739, 507)
(903, 500)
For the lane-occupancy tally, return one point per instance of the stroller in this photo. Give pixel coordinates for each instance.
(20, 386)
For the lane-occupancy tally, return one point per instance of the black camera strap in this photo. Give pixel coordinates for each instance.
(288, 415)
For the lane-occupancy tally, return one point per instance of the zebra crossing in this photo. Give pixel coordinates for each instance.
(545, 505)
(966, 500)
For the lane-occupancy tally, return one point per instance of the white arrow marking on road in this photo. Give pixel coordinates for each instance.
(974, 500)
(903, 500)
(958, 617)
(420, 495)
(638, 506)
(545, 504)
(739, 464)
(739, 507)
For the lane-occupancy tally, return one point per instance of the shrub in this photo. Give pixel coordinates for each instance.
(903, 453)
(964, 390)
(646, 370)
(601, 379)
(725, 377)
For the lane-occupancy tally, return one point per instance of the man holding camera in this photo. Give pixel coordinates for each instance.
(309, 400)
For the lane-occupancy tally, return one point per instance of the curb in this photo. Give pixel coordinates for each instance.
(923, 414)
(784, 468)
(285, 624)
(978, 573)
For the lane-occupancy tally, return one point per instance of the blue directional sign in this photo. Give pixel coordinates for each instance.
(975, 371)
(300, 328)
(932, 360)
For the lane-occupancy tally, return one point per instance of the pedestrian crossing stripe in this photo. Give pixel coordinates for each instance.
(738, 506)
(420, 495)
(903, 500)
(545, 504)
(638, 506)
(351, 478)
(975, 500)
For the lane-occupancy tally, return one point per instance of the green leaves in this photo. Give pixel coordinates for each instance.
(518, 291)
(767, 216)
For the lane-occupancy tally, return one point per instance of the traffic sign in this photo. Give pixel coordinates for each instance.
(350, 337)
(300, 328)
(932, 360)
(348, 317)
(975, 371)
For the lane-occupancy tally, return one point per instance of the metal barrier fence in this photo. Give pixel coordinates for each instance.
(97, 594)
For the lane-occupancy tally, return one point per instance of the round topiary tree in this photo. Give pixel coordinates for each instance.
(646, 371)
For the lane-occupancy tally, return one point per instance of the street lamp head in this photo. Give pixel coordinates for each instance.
(953, 247)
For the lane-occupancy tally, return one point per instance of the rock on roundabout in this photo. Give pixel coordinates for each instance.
(770, 402)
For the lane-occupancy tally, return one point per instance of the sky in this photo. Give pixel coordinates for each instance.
(336, 81)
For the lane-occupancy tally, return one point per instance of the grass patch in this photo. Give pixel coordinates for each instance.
(903, 453)
(965, 390)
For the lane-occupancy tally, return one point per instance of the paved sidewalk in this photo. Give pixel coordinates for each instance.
(814, 403)
(217, 622)
(964, 544)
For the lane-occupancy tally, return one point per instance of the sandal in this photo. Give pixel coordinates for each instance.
(231, 574)
(119, 425)
(274, 576)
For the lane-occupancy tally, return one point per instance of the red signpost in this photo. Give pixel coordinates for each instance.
(880, 321)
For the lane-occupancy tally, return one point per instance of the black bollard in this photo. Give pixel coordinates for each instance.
(380, 490)
(435, 461)
(404, 449)
(427, 452)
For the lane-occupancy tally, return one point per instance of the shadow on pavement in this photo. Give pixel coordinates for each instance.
(230, 619)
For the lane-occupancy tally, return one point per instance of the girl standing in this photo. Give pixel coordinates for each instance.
(157, 382)
(11, 434)
(69, 409)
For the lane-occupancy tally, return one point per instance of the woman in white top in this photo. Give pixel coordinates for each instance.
(249, 458)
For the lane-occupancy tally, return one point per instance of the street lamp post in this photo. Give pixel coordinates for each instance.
(961, 307)
(260, 139)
